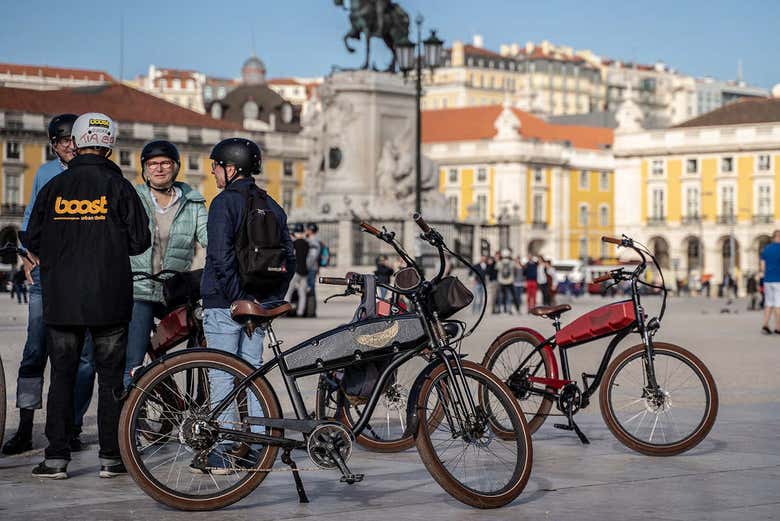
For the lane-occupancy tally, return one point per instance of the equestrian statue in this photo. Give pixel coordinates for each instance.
(383, 19)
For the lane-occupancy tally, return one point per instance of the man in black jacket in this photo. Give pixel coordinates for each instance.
(85, 225)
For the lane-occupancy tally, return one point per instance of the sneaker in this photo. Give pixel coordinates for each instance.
(75, 444)
(765, 330)
(44, 471)
(17, 444)
(112, 471)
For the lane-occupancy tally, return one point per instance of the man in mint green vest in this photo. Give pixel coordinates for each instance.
(177, 220)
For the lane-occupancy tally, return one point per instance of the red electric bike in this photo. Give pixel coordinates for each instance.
(657, 398)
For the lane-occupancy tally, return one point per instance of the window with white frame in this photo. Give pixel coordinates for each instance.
(692, 166)
(538, 179)
(125, 158)
(583, 179)
(727, 164)
(583, 214)
(453, 176)
(604, 250)
(287, 168)
(12, 188)
(692, 199)
(287, 199)
(481, 175)
(452, 205)
(604, 181)
(538, 208)
(13, 150)
(583, 247)
(764, 199)
(764, 162)
(657, 167)
(604, 215)
(658, 203)
(482, 206)
(727, 200)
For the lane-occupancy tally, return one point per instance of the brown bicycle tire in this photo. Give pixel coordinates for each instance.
(649, 449)
(126, 431)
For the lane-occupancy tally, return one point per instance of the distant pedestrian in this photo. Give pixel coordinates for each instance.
(770, 267)
(752, 291)
(20, 286)
(531, 274)
(478, 286)
(383, 272)
(506, 280)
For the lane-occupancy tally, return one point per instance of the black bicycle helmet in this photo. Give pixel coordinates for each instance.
(160, 149)
(61, 126)
(242, 153)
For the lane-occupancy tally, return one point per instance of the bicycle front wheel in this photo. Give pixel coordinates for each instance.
(670, 419)
(465, 455)
(193, 466)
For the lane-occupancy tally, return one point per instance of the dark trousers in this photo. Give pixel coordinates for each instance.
(507, 293)
(65, 345)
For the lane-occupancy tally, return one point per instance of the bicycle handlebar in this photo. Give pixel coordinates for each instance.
(421, 223)
(603, 278)
(370, 229)
(612, 240)
(336, 281)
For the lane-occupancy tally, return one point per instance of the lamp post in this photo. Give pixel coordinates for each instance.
(415, 57)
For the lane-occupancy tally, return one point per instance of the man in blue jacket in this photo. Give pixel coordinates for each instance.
(29, 384)
(235, 161)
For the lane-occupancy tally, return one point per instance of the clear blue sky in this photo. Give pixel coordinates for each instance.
(303, 37)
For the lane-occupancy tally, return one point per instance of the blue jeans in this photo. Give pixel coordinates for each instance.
(138, 335)
(225, 334)
(29, 387)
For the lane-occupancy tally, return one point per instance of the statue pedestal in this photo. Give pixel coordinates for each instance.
(363, 158)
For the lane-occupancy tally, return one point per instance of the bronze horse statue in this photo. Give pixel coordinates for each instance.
(376, 19)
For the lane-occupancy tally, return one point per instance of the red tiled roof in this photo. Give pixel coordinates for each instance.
(475, 123)
(480, 51)
(122, 103)
(54, 72)
(284, 81)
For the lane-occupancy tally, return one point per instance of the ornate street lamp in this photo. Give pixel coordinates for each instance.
(414, 57)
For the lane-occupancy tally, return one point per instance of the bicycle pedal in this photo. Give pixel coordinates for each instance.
(563, 426)
(351, 479)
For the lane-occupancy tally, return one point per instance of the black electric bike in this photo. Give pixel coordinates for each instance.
(469, 430)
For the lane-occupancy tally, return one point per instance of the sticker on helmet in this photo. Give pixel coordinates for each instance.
(99, 123)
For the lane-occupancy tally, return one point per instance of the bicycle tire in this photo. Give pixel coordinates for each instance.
(433, 452)
(535, 407)
(671, 398)
(127, 436)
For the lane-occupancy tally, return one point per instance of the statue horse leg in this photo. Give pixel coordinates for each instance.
(368, 51)
(350, 36)
(389, 41)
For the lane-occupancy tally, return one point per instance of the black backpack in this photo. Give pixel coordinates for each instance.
(261, 258)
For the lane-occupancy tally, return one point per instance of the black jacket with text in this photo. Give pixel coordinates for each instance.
(85, 225)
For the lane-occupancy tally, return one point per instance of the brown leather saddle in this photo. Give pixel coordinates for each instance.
(243, 311)
(552, 312)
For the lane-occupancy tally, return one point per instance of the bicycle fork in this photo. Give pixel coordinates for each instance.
(464, 410)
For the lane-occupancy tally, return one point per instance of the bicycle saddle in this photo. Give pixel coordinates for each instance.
(550, 311)
(243, 310)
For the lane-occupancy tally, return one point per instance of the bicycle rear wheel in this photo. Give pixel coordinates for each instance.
(194, 467)
(465, 455)
(513, 359)
(665, 421)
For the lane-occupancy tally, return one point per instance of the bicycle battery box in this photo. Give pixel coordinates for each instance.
(358, 341)
(171, 330)
(598, 323)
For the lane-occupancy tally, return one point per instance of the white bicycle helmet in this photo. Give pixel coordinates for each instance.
(94, 129)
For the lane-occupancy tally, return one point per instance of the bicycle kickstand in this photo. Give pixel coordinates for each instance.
(572, 426)
(287, 460)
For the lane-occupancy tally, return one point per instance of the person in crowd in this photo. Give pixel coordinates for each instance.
(752, 291)
(506, 280)
(541, 281)
(552, 282)
(519, 283)
(177, 221)
(479, 284)
(85, 225)
(531, 273)
(770, 269)
(235, 163)
(383, 272)
(491, 279)
(299, 280)
(20, 286)
(313, 259)
(29, 383)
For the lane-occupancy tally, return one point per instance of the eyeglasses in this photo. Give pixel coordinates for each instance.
(162, 165)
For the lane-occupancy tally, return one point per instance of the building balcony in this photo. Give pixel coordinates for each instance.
(689, 220)
(538, 225)
(12, 210)
(656, 221)
(727, 219)
(763, 219)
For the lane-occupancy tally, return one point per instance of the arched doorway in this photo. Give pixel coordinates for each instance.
(660, 248)
(694, 254)
(760, 243)
(536, 247)
(729, 260)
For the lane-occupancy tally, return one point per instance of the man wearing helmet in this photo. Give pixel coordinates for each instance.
(29, 385)
(235, 161)
(85, 225)
(177, 220)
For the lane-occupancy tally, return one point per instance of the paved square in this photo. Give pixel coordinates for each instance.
(733, 475)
